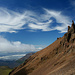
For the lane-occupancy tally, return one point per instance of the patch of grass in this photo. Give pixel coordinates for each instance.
(4, 70)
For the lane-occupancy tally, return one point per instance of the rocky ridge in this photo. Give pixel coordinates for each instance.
(56, 59)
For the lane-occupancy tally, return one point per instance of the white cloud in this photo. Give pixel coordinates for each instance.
(42, 26)
(62, 19)
(40, 48)
(10, 50)
(11, 21)
(14, 50)
(12, 57)
(10, 46)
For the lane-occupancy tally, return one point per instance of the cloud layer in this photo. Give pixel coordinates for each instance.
(17, 46)
(12, 57)
(15, 49)
(11, 21)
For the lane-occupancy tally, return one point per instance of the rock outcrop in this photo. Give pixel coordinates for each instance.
(56, 59)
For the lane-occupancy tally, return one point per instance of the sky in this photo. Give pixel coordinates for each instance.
(31, 25)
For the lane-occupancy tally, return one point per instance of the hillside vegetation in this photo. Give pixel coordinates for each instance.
(4, 70)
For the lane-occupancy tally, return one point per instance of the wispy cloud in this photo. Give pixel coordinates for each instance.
(11, 21)
(62, 20)
(40, 26)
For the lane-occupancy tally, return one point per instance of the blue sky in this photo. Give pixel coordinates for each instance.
(31, 25)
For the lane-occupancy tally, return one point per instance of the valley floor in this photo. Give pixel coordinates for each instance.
(4, 70)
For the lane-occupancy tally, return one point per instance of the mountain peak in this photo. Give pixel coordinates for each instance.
(72, 28)
(70, 35)
(56, 59)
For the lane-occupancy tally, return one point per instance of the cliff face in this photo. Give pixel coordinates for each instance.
(56, 59)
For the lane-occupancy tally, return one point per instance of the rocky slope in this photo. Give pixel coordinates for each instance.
(56, 59)
(21, 60)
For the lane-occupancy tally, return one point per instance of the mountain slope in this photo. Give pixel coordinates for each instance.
(21, 60)
(15, 63)
(56, 59)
